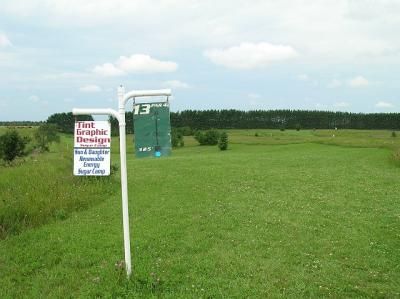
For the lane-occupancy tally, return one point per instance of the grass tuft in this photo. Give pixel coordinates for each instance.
(396, 157)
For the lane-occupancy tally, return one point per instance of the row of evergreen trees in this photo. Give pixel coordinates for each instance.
(258, 119)
(66, 121)
(274, 119)
(289, 119)
(20, 123)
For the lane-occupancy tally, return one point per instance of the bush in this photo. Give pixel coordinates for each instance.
(177, 138)
(174, 139)
(256, 134)
(394, 134)
(186, 131)
(12, 145)
(297, 127)
(223, 141)
(209, 137)
(45, 135)
(199, 136)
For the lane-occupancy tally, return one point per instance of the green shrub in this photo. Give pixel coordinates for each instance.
(297, 127)
(177, 138)
(212, 137)
(223, 141)
(209, 137)
(186, 131)
(174, 140)
(199, 136)
(45, 135)
(394, 134)
(256, 134)
(12, 145)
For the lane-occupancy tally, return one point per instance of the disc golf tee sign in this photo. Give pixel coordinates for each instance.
(92, 145)
(92, 141)
(152, 129)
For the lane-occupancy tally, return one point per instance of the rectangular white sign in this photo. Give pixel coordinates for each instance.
(92, 142)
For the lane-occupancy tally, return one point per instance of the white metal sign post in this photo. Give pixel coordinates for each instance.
(120, 116)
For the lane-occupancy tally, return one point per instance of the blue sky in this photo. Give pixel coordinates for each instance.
(341, 55)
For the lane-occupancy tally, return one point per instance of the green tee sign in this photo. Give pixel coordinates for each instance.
(152, 129)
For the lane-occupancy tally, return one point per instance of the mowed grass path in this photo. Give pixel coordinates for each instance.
(302, 220)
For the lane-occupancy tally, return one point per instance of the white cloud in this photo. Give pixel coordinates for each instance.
(37, 100)
(3, 103)
(320, 106)
(136, 63)
(90, 88)
(253, 96)
(303, 77)
(34, 99)
(4, 41)
(220, 23)
(334, 83)
(141, 63)
(358, 81)
(176, 84)
(107, 70)
(57, 76)
(382, 104)
(248, 56)
(341, 104)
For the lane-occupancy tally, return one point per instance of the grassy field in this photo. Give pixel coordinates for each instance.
(281, 215)
(40, 188)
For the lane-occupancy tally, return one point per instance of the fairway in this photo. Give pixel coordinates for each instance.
(299, 219)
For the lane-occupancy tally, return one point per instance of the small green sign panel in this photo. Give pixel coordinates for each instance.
(152, 128)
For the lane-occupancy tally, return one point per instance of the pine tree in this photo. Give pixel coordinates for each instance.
(223, 141)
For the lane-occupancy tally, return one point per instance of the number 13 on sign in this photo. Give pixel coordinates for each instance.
(141, 109)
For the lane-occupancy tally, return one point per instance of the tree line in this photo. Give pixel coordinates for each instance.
(267, 119)
(287, 119)
(274, 119)
(20, 123)
(237, 119)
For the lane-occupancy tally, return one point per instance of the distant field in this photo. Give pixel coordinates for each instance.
(355, 138)
(281, 214)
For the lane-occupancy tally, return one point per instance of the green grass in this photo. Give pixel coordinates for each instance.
(290, 220)
(41, 188)
(351, 138)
